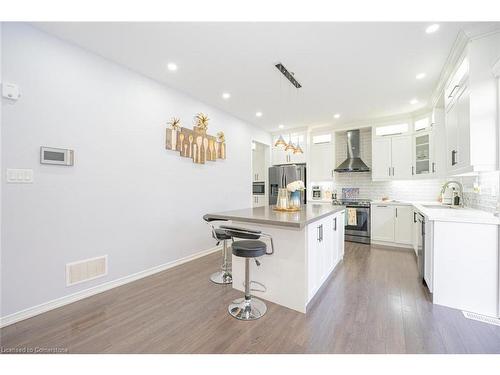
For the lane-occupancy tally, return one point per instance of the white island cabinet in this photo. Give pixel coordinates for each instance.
(461, 258)
(308, 246)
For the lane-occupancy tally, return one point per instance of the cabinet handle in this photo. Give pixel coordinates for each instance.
(392, 171)
(396, 212)
(389, 171)
(335, 224)
(412, 170)
(414, 217)
(454, 157)
(380, 206)
(433, 167)
(318, 236)
(453, 91)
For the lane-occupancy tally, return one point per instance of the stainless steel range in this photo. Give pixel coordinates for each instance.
(357, 219)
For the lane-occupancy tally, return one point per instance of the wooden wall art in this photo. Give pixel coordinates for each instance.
(196, 143)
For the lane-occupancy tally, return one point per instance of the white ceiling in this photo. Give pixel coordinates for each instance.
(360, 70)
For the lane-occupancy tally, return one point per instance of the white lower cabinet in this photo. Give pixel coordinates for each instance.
(382, 222)
(403, 225)
(392, 224)
(259, 200)
(465, 269)
(416, 232)
(325, 248)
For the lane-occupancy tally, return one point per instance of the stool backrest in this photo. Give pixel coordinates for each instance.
(208, 218)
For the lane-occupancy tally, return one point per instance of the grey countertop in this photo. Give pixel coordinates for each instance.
(266, 215)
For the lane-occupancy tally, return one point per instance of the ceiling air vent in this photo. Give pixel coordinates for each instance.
(288, 75)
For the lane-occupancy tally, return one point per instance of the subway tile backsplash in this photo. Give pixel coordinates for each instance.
(422, 190)
(485, 197)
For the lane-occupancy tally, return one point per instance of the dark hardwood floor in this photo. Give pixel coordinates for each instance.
(373, 304)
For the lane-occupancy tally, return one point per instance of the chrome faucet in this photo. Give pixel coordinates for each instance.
(460, 191)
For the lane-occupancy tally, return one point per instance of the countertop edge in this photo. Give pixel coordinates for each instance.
(293, 225)
(259, 221)
(431, 217)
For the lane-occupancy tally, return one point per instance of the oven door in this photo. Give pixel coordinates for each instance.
(259, 188)
(362, 227)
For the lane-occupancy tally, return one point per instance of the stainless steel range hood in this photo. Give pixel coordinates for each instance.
(353, 163)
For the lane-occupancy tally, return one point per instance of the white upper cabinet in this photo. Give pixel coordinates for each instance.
(429, 146)
(458, 132)
(392, 157)
(423, 153)
(259, 169)
(381, 159)
(438, 144)
(402, 158)
(471, 103)
(321, 157)
(412, 150)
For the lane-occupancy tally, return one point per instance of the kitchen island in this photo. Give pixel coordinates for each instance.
(308, 245)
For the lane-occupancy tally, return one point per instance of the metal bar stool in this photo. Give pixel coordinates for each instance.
(224, 275)
(248, 308)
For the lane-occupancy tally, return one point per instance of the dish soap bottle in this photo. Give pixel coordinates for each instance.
(456, 198)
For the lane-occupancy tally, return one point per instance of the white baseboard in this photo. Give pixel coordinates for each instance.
(393, 244)
(54, 304)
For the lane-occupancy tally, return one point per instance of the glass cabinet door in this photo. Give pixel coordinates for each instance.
(422, 154)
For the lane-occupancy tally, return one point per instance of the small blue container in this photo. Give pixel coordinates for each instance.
(295, 199)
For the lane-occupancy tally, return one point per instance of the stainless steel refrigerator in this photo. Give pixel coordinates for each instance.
(282, 175)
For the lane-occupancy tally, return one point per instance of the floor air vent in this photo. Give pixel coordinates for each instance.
(85, 270)
(481, 318)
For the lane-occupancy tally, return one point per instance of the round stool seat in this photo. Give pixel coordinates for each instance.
(249, 248)
(221, 235)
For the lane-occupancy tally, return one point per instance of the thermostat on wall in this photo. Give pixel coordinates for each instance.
(58, 156)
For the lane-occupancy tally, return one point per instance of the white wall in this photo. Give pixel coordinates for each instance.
(126, 196)
(1, 178)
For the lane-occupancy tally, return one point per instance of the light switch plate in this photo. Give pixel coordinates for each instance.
(10, 91)
(19, 176)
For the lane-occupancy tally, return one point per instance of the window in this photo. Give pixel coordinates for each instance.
(422, 124)
(296, 139)
(322, 138)
(391, 129)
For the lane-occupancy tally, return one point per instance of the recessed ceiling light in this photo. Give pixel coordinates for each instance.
(432, 28)
(281, 126)
(258, 114)
(226, 95)
(413, 101)
(420, 75)
(337, 115)
(172, 66)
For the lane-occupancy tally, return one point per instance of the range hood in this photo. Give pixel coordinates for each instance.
(353, 163)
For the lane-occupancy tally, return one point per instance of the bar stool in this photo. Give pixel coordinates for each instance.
(224, 275)
(250, 247)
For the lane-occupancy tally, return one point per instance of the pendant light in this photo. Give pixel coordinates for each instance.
(280, 142)
(298, 150)
(290, 147)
